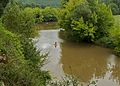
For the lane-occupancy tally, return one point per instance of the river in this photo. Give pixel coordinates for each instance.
(91, 64)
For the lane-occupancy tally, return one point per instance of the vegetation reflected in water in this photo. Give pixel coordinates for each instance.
(90, 63)
(47, 25)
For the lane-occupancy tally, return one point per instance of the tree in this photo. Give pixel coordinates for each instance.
(104, 20)
(38, 15)
(11, 12)
(85, 21)
(64, 2)
(49, 14)
(22, 66)
(22, 22)
(114, 7)
(114, 4)
(3, 4)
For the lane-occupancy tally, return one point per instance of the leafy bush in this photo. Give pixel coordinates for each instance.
(17, 69)
(114, 5)
(115, 35)
(96, 20)
(84, 31)
(31, 53)
(22, 20)
(11, 12)
(104, 21)
(3, 4)
(49, 14)
(21, 62)
(113, 39)
(10, 44)
(38, 15)
(106, 42)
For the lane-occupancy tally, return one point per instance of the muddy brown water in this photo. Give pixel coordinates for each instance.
(91, 64)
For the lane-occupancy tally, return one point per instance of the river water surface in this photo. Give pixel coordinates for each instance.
(90, 63)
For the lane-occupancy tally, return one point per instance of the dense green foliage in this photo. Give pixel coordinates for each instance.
(63, 2)
(92, 20)
(10, 44)
(3, 4)
(85, 21)
(38, 14)
(20, 61)
(113, 38)
(114, 35)
(15, 69)
(31, 54)
(114, 5)
(82, 20)
(49, 14)
(22, 20)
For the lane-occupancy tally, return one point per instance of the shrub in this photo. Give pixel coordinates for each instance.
(22, 60)
(38, 15)
(97, 19)
(22, 20)
(3, 4)
(49, 14)
(17, 69)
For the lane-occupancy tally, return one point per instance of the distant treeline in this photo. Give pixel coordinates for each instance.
(40, 3)
(114, 4)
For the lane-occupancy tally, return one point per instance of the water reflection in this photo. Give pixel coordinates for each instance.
(116, 70)
(93, 65)
(90, 63)
(47, 26)
(46, 43)
(107, 79)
